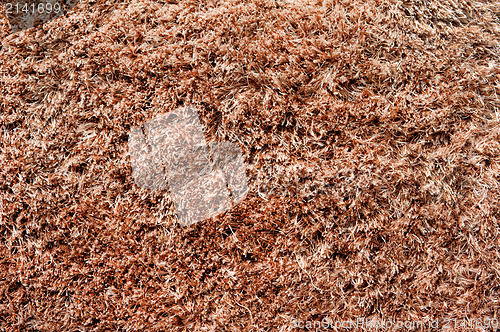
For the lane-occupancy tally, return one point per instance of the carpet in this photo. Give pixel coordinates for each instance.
(370, 133)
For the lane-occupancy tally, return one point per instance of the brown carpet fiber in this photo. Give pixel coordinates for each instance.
(392, 106)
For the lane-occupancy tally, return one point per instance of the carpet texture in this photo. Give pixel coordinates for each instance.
(370, 130)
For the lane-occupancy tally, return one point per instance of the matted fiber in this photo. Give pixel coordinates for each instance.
(393, 106)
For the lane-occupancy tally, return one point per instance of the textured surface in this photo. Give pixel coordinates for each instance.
(394, 104)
